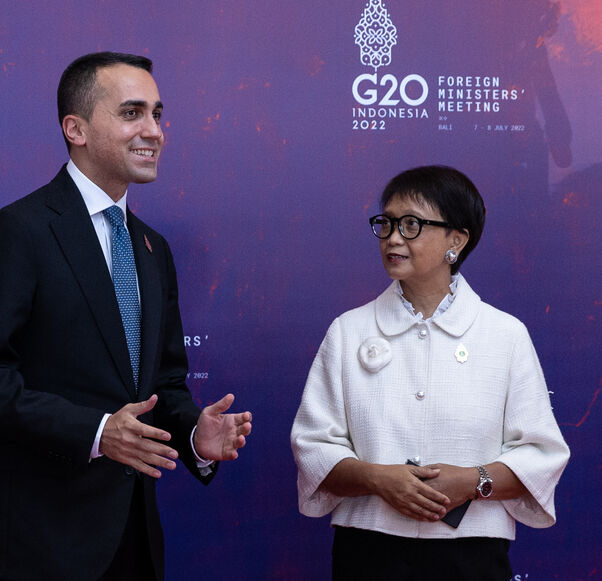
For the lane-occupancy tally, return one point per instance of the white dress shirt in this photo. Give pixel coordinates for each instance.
(462, 388)
(97, 201)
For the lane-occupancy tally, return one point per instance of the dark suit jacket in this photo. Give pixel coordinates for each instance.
(64, 363)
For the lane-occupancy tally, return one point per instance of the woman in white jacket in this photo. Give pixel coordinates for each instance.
(425, 425)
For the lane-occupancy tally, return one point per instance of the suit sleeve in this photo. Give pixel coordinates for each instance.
(31, 419)
(175, 410)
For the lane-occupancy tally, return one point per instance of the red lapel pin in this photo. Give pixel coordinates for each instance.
(148, 244)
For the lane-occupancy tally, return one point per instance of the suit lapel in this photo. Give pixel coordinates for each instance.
(77, 238)
(150, 296)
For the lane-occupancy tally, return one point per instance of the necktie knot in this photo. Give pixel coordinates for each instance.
(114, 215)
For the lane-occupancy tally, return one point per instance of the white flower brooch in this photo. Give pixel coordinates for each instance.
(374, 354)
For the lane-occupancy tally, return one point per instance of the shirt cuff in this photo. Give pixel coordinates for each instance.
(95, 453)
(200, 461)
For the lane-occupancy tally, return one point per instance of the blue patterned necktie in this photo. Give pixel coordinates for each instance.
(126, 288)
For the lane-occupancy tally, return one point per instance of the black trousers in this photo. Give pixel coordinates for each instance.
(362, 555)
(133, 561)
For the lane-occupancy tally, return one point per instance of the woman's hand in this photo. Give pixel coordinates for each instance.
(402, 487)
(460, 484)
(457, 483)
(399, 485)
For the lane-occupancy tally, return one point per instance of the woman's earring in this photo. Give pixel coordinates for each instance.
(451, 256)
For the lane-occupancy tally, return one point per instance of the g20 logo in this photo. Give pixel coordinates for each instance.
(369, 90)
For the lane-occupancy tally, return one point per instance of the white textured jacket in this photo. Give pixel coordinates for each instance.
(464, 388)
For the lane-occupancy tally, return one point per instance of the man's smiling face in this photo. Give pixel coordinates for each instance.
(123, 136)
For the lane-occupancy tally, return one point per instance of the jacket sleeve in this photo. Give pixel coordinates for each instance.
(533, 447)
(31, 419)
(320, 435)
(176, 411)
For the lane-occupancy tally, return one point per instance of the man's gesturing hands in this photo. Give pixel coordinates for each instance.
(218, 436)
(129, 441)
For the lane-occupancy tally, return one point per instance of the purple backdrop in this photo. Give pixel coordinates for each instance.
(272, 165)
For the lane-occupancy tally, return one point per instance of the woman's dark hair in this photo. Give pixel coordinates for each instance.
(447, 190)
(77, 91)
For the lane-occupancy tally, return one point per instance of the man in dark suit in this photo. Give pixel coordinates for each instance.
(93, 401)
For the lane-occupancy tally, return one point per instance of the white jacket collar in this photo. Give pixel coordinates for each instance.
(393, 319)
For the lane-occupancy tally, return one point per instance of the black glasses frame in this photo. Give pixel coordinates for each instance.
(421, 221)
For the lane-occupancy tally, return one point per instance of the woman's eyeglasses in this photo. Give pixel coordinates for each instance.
(409, 226)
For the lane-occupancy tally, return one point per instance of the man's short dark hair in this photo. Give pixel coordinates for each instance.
(77, 91)
(448, 191)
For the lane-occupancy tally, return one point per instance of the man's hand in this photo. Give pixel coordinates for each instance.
(218, 435)
(129, 441)
(401, 486)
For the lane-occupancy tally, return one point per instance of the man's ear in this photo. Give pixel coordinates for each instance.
(74, 129)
